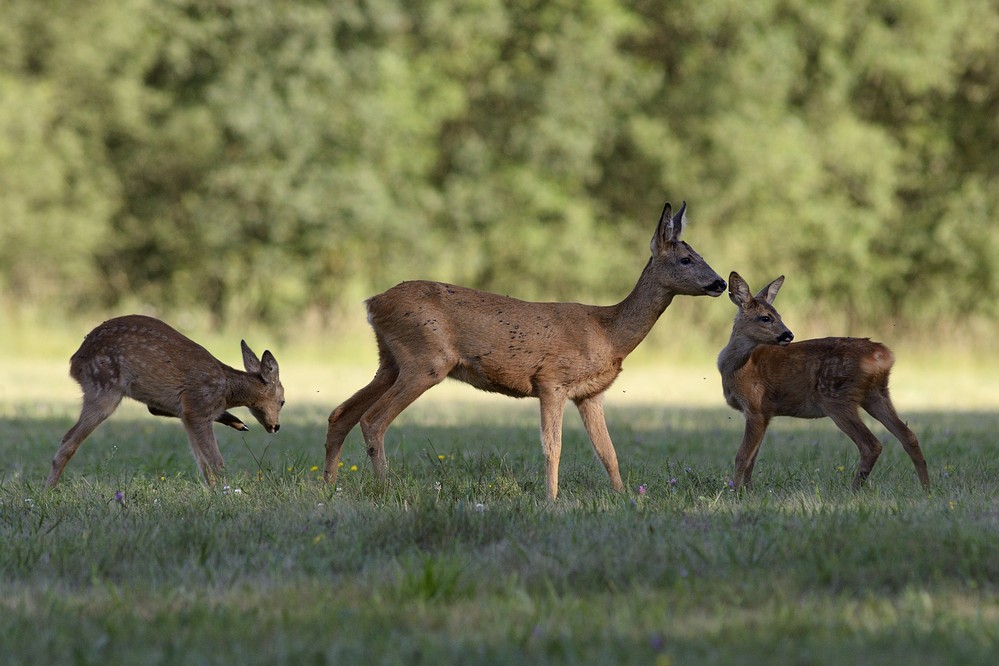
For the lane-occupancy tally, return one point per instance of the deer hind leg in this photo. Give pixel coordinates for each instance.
(343, 419)
(205, 448)
(745, 458)
(412, 382)
(879, 405)
(591, 410)
(97, 406)
(849, 421)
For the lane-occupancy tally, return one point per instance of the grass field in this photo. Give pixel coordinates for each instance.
(461, 560)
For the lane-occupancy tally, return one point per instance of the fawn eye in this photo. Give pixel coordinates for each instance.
(685, 261)
(766, 319)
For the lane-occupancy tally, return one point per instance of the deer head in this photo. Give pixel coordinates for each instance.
(677, 267)
(265, 404)
(757, 319)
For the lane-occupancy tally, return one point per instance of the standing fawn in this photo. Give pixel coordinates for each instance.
(763, 376)
(427, 331)
(144, 359)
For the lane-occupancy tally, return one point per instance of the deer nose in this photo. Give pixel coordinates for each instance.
(716, 286)
(785, 337)
(274, 428)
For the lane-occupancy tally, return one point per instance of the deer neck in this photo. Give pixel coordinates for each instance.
(634, 317)
(241, 387)
(735, 354)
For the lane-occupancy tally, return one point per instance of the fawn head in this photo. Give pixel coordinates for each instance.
(757, 319)
(266, 403)
(678, 267)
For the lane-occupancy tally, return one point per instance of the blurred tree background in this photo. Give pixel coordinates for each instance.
(251, 159)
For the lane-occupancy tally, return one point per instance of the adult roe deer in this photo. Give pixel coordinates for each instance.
(764, 375)
(147, 360)
(427, 331)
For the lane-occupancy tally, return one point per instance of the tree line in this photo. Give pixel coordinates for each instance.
(249, 158)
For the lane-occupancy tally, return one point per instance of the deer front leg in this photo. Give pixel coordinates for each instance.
(225, 418)
(205, 448)
(591, 410)
(745, 459)
(552, 410)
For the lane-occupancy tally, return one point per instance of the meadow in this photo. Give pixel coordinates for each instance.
(461, 559)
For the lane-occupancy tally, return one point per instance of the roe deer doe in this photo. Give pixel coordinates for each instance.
(147, 360)
(427, 331)
(763, 376)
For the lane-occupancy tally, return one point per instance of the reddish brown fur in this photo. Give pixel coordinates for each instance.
(427, 331)
(147, 360)
(763, 376)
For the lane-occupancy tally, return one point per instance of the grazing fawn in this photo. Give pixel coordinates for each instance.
(147, 360)
(764, 375)
(427, 331)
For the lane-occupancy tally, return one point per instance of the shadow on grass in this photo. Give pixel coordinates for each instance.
(463, 438)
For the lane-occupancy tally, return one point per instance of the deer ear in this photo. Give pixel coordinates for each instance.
(268, 367)
(679, 222)
(769, 292)
(250, 360)
(738, 290)
(664, 231)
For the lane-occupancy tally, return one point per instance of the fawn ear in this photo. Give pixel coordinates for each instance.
(769, 292)
(268, 367)
(664, 231)
(250, 360)
(738, 290)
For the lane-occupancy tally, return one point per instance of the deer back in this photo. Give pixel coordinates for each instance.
(151, 362)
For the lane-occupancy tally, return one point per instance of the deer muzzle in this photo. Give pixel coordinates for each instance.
(716, 288)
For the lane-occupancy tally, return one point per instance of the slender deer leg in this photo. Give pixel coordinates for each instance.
(343, 419)
(225, 418)
(205, 448)
(552, 410)
(410, 385)
(848, 420)
(591, 410)
(97, 407)
(745, 459)
(879, 405)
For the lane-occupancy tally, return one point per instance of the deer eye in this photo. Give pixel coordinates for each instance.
(766, 319)
(685, 261)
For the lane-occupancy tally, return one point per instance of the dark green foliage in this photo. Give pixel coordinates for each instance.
(267, 159)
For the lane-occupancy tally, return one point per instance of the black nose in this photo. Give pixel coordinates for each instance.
(275, 428)
(718, 285)
(786, 336)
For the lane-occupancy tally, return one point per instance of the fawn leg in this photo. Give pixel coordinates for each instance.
(848, 420)
(745, 458)
(205, 448)
(97, 406)
(879, 406)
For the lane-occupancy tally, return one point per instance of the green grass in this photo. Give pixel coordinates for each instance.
(460, 558)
